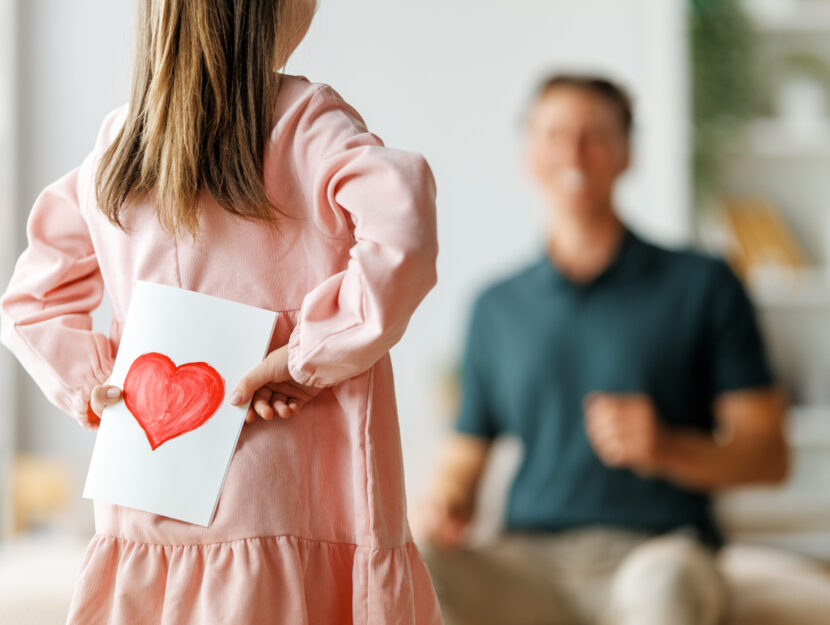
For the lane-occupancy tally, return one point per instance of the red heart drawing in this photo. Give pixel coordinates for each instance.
(167, 400)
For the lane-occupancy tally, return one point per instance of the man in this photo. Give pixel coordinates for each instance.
(635, 378)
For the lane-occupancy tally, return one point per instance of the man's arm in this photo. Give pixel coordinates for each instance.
(462, 465)
(446, 514)
(748, 446)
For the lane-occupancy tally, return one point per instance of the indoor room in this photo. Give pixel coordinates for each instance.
(697, 310)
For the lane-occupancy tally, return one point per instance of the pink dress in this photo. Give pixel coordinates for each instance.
(311, 525)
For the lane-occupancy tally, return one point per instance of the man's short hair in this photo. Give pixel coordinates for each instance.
(610, 91)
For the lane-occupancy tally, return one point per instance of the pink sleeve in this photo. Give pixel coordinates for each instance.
(386, 199)
(45, 311)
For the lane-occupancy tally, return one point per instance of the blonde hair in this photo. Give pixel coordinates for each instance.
(202, 108)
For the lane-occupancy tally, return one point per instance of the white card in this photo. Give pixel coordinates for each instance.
(167, 446)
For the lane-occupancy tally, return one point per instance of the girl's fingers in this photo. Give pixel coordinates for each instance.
(299, 395)
(257, 378)
(103, 396)
(277, 404)
(263, 409)
(261, 404)
(273, 396)
(274, 368)
(280, 406)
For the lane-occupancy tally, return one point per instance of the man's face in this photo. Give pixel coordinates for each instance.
(577, 148)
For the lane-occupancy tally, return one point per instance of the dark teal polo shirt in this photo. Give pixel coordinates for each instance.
(676, 325)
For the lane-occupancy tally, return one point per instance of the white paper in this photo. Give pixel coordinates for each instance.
(183, 476)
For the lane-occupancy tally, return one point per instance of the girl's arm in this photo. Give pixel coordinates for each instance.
(45, 311)
(382, 202)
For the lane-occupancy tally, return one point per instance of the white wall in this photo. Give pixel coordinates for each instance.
(8, 22)
(445, 77)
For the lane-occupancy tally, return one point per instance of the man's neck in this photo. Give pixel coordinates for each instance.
(582, 247)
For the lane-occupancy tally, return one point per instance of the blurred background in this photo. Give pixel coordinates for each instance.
(732, 152)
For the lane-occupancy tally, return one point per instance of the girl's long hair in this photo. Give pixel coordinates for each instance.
(202, 108)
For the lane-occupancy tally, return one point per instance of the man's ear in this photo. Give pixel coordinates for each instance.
(626, 157)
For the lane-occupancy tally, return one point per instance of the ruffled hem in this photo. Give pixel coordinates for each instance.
(278, 580)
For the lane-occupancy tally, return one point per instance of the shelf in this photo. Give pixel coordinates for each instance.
(791, 289)
(809, 426)
(797, 512)
(773, 138)
(793, 300)
(789, 16)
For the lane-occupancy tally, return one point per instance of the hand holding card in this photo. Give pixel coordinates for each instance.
(167, 447)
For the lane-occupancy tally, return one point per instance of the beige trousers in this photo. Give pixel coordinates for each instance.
(580, 577)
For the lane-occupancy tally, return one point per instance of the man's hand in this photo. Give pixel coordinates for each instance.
(624, 430)
(443, 519)
(273, 391)
(445, 515)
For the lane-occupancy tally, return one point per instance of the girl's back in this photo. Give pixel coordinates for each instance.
(316, 167)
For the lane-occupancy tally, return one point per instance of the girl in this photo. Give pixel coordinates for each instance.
(225, 177)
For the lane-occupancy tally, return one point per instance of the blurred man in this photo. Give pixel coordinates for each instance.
(635, 378)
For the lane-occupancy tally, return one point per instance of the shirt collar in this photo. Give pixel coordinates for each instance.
(630, 262)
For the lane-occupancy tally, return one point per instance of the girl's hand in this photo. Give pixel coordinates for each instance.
(273, 391)
(102, 396)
